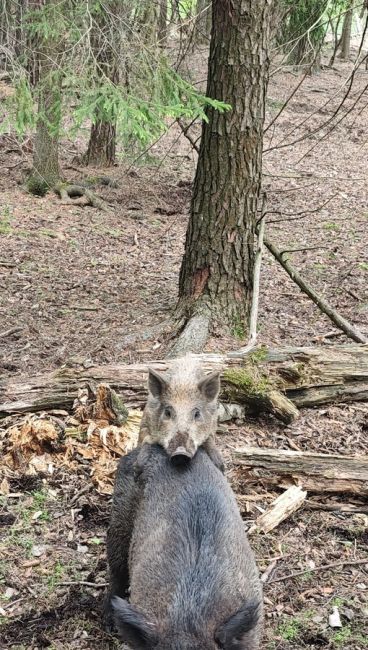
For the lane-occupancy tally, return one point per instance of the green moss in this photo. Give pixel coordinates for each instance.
(37, 185)
(259, 355)
(340, 637)
(247, 380)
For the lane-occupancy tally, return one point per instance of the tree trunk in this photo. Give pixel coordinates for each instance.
(314, 472)
(346, 32)
(305, 33)
(46, 76)
(105, 40)
(268, 381)
(102, 144)
(217, 267)
(203, 23)
(162, 23)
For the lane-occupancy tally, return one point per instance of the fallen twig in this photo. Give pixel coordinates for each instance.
(83, 583)
(324, 567)
(9, 332)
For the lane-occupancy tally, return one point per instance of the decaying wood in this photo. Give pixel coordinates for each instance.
(284, 506)
(315, 472)
(277, 381)
(330, 506)
(340, 322)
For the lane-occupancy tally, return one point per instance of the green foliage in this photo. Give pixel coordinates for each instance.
(48, 21)
(24, 107)
(289, 630)
(304, 29)
(152, 94)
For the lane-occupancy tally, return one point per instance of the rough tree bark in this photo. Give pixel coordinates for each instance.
(277, 381)
(46, 76)
(105, 40)
(217, 267)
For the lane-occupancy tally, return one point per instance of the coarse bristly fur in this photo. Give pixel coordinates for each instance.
(181, 410)
(177, 539)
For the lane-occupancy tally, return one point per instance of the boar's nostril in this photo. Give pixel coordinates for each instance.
(181, 456)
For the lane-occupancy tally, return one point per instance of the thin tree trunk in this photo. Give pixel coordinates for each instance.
(105, 40)
(202, 27)
(346, 32)
(162, 23)
(46, 75)
(217, 268)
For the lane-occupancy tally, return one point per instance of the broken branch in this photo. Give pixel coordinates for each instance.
(284, 506)
(324, 567)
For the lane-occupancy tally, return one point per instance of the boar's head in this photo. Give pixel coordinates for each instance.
(182, 407)
(140, 633)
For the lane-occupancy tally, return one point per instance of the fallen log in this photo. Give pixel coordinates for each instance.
(277, 381)
(313, 472)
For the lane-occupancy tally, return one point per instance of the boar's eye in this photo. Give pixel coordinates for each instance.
(168, 412)
(197, 414)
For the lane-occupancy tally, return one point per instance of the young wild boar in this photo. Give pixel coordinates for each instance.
(181, 411)
(177, 538)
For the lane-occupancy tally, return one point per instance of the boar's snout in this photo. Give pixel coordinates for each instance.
(181, 456)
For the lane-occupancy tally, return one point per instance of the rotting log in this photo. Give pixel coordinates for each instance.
(277, 381)
(313, 472)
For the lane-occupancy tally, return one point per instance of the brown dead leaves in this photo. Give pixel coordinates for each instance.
(100, 431)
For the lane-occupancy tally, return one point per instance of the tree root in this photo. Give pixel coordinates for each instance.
(67, 192)
(193, 337)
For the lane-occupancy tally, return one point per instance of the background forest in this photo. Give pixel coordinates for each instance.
(183, 175)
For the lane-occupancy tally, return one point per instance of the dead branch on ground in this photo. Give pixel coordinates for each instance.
(340, 322)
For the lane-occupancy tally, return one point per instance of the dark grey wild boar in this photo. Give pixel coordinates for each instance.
(177, 539)
(181, 411)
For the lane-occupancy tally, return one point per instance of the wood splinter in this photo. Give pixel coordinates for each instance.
(284, 506)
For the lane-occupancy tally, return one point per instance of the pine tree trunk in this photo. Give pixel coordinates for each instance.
(162, 23)
(346, 33)
(46, 76)
(102, 145)
(202, 27)
(105, 41)
(217, 267)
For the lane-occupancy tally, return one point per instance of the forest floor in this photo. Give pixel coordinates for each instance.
(82, 283)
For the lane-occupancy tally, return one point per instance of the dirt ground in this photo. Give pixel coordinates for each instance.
(81, 284)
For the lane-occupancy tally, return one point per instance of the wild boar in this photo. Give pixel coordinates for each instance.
(177, 539)
(181, 411)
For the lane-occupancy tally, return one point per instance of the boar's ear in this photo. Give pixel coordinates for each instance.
(210, 386)
(133, 626)
(237, 631)
(156, 383)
